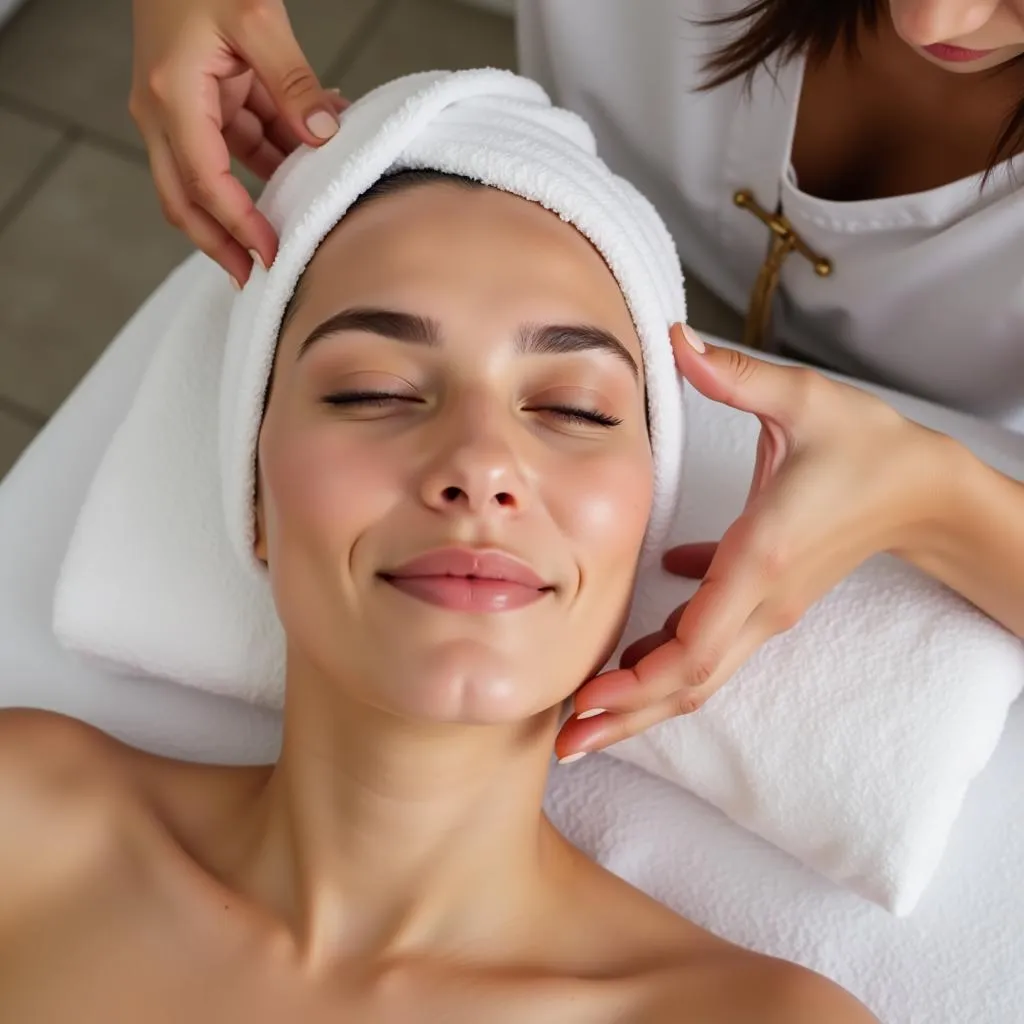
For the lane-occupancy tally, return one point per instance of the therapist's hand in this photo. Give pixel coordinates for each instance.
(839, 476)
(212, 79)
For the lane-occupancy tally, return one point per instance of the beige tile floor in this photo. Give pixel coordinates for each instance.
(82, 241)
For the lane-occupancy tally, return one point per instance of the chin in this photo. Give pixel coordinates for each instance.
(470, 682)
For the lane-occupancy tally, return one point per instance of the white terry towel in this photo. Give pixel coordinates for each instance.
(160, 576)
(850, 741)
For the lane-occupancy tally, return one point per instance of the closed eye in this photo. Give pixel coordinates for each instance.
(586, 416)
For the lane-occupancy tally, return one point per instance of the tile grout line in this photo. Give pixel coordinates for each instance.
(358, 39)
(115, 147)
(57, 122)
(22, 413)
(39, 176)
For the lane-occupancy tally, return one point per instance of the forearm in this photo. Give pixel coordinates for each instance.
(976, 545)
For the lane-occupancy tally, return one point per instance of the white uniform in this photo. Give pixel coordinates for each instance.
(927, 293)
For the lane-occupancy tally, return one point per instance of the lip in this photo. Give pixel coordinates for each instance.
(955, 54)
(461, 579)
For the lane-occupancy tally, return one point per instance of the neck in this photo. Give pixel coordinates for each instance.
(377, 836)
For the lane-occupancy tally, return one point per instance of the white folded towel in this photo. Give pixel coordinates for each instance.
(851, 740)
(160, 576)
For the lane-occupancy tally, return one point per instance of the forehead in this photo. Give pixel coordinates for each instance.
(456, 254)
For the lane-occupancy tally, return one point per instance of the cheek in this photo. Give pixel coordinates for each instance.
(603, 509)
(602, 513)
(322, 490)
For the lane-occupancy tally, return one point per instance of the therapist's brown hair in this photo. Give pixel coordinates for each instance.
(787, 28)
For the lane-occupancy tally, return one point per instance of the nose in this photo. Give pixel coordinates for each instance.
(477, 469)
(925, 22)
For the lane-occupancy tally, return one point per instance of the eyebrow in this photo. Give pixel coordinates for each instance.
(531, 339)
(558, 339)
(388, 323)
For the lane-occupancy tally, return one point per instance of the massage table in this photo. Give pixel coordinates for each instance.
(959, 958)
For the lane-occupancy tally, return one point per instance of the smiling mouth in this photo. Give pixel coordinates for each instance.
(468, 593)
(465, 580)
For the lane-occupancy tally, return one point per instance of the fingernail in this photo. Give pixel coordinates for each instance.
(234, 283)
(592, 713)
(693, 339)
(257, 259)
(335, 90)
(572, 758)
(322, 124)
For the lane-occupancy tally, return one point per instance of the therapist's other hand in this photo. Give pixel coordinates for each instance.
(212, 79)
(839, 476)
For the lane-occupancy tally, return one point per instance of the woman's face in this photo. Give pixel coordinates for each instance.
(962, 35)
(455, 475)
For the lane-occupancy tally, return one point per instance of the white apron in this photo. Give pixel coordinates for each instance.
(927, 291)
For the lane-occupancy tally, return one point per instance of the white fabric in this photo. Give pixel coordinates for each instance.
(956, 960)
(851, 740)
(928, 290)
(40, 501)
(154, 579)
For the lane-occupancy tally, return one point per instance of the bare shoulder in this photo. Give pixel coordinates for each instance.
(776, 992)
(75, 803)
(55, 769)
(46, 754)
(681, 973)
(60, 794)
(739, 987)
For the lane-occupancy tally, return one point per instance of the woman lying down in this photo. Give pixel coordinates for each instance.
(456, 469)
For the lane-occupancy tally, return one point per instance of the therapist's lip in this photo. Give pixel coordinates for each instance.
(468, 580)
(955, 54)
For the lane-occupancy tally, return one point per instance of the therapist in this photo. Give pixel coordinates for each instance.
(849, 175)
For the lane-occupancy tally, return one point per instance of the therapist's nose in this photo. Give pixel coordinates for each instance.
(925, 22)
(477, 470)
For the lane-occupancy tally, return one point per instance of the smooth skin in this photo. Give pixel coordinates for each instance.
(895, 121)
(395, 865)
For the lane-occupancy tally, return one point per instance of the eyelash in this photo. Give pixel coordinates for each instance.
(366, 398)
(589, 417)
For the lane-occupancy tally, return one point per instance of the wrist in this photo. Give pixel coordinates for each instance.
(975, 543)
(949, 480)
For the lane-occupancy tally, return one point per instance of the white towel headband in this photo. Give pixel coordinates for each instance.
(183, 595)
